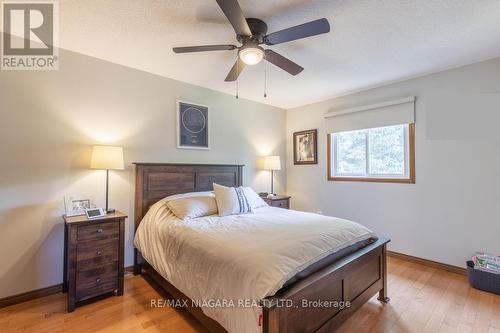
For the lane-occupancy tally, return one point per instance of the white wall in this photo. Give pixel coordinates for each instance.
(454, 207)
(50, 120)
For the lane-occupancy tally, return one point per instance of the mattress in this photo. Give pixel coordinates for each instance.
(227, 264)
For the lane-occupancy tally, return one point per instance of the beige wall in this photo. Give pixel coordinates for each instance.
(50, 120)
(453, 209)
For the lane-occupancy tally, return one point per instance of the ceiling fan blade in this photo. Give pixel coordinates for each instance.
(309, 29)
(283, 63)
(204, 48)
(234, 14)
(235, 71)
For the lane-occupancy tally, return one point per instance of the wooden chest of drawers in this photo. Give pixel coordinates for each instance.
(93, 257)
(281, 201)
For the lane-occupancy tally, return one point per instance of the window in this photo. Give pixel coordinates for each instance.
(382, 154)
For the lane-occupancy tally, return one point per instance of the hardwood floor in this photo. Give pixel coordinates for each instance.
(423, 299)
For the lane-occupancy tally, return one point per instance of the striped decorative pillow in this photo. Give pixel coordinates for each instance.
(231, 200)
(242, 201)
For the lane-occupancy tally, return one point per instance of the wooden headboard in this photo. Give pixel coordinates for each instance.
(155, 181)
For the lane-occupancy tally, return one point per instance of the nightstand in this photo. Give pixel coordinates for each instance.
(93, 257)
(281, 201)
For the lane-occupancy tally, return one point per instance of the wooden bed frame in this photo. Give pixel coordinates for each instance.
(354, 278)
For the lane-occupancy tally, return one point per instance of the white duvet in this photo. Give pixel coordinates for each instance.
(239, 257)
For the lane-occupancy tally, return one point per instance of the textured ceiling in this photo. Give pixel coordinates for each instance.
(372, 42)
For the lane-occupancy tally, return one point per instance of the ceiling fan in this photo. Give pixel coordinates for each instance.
(252, 33)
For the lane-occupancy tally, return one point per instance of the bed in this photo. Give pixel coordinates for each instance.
(354, 276)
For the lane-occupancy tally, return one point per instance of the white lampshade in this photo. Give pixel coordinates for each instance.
(272, 163)
(107, 158)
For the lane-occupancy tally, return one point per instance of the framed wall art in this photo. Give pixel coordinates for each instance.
(192, 126)
(305, 147)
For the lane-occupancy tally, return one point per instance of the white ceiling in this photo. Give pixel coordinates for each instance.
(372, 42)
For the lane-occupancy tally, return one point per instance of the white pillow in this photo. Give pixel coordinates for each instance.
(193, 206)
(231, 200)
(189, 194)
(254, 199)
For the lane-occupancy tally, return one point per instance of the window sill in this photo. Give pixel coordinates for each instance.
(373, 180)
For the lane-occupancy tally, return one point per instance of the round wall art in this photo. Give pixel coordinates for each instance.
(192, 125)
(193, 120)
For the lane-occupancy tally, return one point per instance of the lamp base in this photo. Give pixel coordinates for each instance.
(110, 211)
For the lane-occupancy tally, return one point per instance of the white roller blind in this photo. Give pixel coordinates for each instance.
(401, 111)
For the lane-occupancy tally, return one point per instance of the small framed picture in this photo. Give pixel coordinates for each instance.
(75, 207)
(192, 126)
(305, 147)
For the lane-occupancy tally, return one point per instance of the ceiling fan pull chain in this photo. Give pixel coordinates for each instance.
(265, 77)
(237, 79)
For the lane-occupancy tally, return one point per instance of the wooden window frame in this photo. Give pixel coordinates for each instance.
(411, 164)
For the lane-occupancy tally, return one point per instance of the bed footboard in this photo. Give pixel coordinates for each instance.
(319, 303)
(324, 300)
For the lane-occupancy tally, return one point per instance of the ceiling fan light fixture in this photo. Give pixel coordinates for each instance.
(251, 54)
(251, 33)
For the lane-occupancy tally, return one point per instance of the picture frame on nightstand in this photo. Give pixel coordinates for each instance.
(74, 206)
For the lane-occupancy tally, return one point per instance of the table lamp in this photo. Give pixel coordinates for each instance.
(107, 158)
(272, 163)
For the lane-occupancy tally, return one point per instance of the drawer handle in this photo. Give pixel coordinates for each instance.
(99, 252)
(98, 280)
(99, 231)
